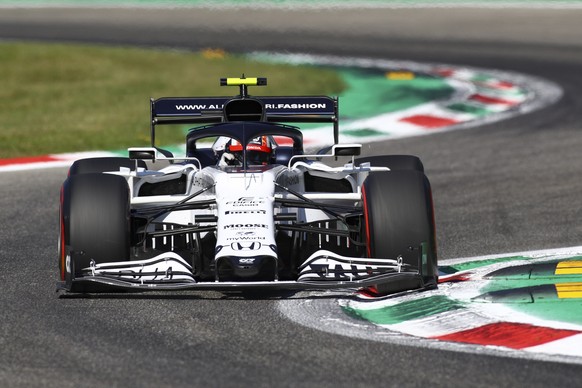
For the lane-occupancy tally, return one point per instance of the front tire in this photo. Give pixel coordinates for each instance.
(399, 221)
(95, 223)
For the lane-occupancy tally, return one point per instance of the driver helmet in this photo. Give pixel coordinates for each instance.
(259, 150)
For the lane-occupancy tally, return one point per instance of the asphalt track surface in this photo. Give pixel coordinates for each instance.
(512, 186)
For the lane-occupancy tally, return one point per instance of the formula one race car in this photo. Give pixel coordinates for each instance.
(246, 208)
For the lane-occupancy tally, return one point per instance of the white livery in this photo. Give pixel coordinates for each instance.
(252, 211)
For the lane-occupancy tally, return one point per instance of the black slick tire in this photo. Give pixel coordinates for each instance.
(399, 221)
(95, 223)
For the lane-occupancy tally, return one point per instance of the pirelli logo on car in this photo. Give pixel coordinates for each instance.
(232, 212)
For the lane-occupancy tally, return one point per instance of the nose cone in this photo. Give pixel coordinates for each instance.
(255, 268)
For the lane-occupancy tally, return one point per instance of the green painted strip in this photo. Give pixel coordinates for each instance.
(524, 272)
(536, 294)
(545, 270)
(482, 263)
(532, 289)
(562, 310)
(508, 284)
(370, 92)
(468, 108)
(539, 301)
(481, 78)
(406, 311)
(364, 132)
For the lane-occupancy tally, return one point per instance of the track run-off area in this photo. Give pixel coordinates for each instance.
(387, 100)
(498, 313)
(523, 305)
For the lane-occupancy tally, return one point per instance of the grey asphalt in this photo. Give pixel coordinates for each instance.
(511, 186)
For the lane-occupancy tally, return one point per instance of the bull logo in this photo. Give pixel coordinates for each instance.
(245, 246)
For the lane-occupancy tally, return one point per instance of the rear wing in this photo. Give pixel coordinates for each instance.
(208, 110)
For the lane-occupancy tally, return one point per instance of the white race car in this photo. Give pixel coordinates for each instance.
(251, 211)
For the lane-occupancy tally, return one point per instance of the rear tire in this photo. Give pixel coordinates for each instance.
(398, 220)
(394, 162)
(95, 222)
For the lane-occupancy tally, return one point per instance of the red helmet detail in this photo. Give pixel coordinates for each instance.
(258, 150)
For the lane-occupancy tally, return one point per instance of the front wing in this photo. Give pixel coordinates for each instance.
(323, 270)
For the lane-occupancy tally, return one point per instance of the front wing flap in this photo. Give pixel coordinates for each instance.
(109, 283)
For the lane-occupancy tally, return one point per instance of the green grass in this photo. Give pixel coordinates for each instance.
(67, 98)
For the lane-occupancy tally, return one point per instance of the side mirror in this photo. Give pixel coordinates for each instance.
(346, 149)
(336, 150)
(143, 153)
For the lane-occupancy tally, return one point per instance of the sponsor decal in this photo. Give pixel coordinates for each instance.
(199, 107)
(245, 238)
(248, 233)
(168, 106)
(249, 260)
(246, 201)
(245, 212)
(246, 246)
(295, 106)
(246, 226)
